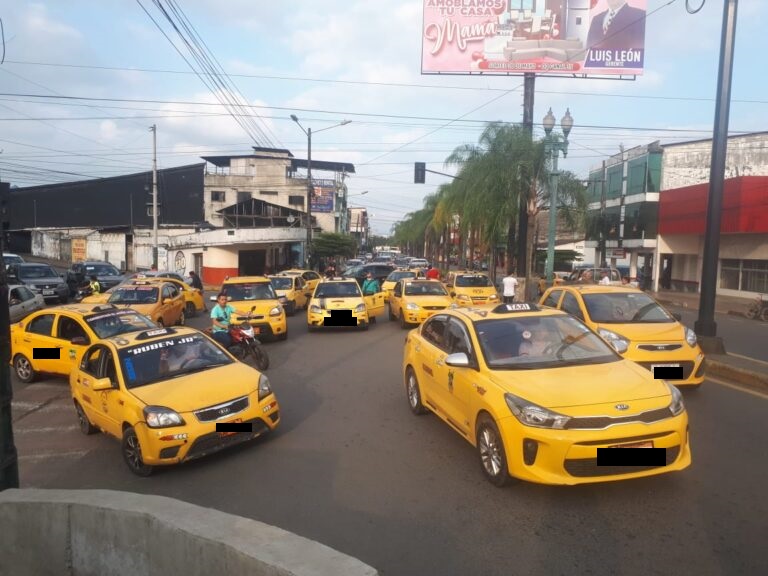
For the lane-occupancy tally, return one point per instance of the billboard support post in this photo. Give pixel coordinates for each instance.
(706, 326)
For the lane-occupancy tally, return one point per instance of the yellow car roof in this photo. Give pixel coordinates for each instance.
(499, 311)
(246, 279)
(129, 339)
(295, 271)
(601, 289)
(84, 309)
(337, 279)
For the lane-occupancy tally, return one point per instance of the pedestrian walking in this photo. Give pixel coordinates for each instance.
(194, 280)
(510, 287)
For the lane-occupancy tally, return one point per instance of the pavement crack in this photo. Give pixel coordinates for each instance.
(41, 406)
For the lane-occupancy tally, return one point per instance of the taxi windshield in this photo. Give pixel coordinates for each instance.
(534, 342)
(169, 358)
(252, 291)
(625, 308)
(473, 280)
(134, 295)
(425, 289)
(282, 283)
(399, 275)
(101, 270)
(117, 322)
(337, 290)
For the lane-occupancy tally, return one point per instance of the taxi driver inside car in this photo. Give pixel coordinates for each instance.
(156, 396)
(539, 395)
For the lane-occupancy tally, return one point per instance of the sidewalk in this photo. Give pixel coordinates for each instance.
(723, 304)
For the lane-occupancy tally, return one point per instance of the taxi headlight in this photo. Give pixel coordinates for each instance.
(162, 417)
(690, 337)
(619, 343)
(676, 406)
(360, 308)
(463, 297)
(276, 311)
(264, 387)
(411, 306)
(315, 309)
(530, 414)
(493, 297)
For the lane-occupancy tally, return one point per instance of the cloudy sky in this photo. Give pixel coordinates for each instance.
(327, 61)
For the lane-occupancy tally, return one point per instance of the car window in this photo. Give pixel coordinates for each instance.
(14, 296)
(457, 338)
(553, 298)
(337, 290)
(69, 328)
(474, 280)
(311, 275)
(115, 322)
(433, 331)
(42, 325)
(250, 291)
(30, 272)
(102, 270)
(91, 359)
(398, 289)
(571, 305)
(282, 283)
(25, 293)
(427, 288)
(625, 307)
(134, 295)
(109, 369)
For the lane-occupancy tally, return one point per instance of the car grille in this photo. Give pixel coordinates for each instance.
(224, 410)
(213, 442)
(479, 298)
(584, 467)
(434, 307)
(660, 347)
(600, 422)
(686, 366)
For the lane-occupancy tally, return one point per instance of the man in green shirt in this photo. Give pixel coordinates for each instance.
(370, 285)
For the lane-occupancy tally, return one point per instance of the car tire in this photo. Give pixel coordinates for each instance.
(85, 425)
(413, 393)
(182, 319)
(23, 368)
(764, 314)
(372, 320)
(291, 310)
(403, 323)
(132, 454)
(392, 317)
(190, 310)
(490, 449)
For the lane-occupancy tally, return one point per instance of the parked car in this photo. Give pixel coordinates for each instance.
(418, 263)
(593, 275)
(41, 279)
(12, 259)
(22, 301)
(81, 272)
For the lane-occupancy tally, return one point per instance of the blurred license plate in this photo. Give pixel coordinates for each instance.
(48, 292)
(647, 444)
(664, 366)
(223, 434)
(256, 330)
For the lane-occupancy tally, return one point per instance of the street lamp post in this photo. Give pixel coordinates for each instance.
(554, 148)
(310, 190)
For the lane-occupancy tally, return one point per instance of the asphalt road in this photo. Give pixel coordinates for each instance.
(351, 467)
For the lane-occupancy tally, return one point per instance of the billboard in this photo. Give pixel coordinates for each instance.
(323, 192)
(583, 37)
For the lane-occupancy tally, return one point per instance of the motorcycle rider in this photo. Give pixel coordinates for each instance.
(220, 317)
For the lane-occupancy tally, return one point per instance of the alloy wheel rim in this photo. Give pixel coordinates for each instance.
(23, 368)
(133, 452)
(413, 393)
(489, 452)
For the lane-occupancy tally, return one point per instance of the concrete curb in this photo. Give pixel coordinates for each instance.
(748, 378)
(106, 532)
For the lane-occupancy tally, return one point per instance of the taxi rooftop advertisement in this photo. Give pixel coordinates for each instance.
(583, 37)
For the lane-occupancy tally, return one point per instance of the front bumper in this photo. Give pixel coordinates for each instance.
(202, 438)
(317, 320)
(420, 315)
(570, 456)
(56, 293)
(269, 327)
(691, 360)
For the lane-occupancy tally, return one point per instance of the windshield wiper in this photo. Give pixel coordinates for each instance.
(568, 341)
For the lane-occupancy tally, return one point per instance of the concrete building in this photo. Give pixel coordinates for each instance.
(358, 225)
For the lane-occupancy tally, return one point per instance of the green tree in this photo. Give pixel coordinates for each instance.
(330, 244)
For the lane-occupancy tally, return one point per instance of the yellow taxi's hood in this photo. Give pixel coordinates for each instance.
(145, 309)
(593, 384)
(429, 300)
(282, 292)
(648, 331)
(96, 298)
(338, 303)
(262, 307)
(201, 389)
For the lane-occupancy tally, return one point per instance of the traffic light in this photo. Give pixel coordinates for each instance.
(419, 173)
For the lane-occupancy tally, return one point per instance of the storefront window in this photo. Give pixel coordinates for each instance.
(754, 275)
(729, 274)
(636, 177)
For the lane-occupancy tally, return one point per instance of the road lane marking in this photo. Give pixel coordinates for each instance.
(39, 457)
(737, 387)
(748, 358)
(21, 405)
(45, 430)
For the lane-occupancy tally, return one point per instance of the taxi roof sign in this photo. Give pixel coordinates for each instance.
(515, 307)
(155, 332)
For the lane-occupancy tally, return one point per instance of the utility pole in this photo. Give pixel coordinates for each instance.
(310, 190)
(705, 326)
(9, 465)
(529, 87)
(601, 221)
(155, 247)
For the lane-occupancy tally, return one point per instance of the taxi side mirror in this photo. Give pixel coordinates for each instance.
(458, 360)
(101, 384)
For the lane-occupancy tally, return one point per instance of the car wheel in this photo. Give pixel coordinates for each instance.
(403, 323)
(23, 369)
(764, 314)
(291, 309)
(392, 317)
(85, 425)
(414, 393)
(182, 319)
(372, 319)
(191, 310)
(490, 448)
(132, 454)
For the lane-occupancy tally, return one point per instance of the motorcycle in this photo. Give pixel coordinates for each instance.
(758, 309)
(244, 342)
(83, 292)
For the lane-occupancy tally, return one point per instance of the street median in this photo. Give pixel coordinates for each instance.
(100, 532)
(739, 369)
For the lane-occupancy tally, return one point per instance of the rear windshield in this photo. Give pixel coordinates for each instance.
(41, 271)
(473, 280)
(253, 291)
(425, 289)
(134, 295)
(282, 283)
(399, 275)
(337, 290)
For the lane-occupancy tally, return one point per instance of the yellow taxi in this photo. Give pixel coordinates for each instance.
(310, 277)
(291, 291)
(247, 292)
(49, 341)
(339, 302)
(153, 391)
(471, 288)
(159, 300)
(542, 398)
(388, 286)
(634, 323)
(413, 301)
(194, 303)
